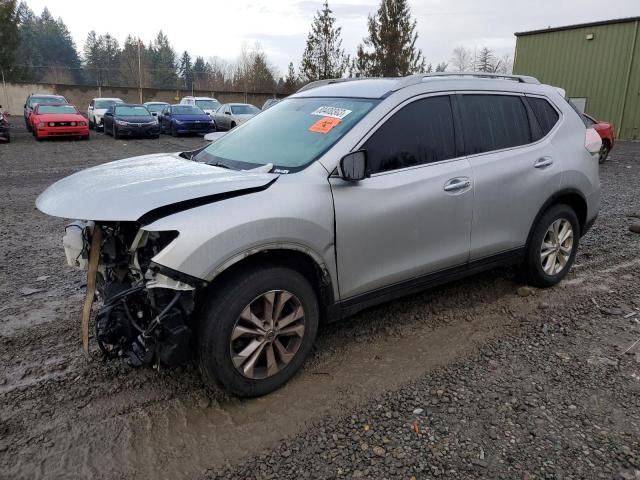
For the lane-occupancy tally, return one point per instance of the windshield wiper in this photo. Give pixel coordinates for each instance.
(220, 164)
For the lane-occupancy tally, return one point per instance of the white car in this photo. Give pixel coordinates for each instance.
(97, 109)
(208, 104)
(156, 107)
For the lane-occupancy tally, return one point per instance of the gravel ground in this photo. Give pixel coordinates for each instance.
(465, 381)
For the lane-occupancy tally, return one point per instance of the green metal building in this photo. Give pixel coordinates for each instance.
(598, 64)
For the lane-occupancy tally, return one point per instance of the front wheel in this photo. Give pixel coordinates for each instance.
(553, 246)
(114, 132)
(257, 330)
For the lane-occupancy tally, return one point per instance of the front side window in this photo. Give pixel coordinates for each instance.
(421, 132)
(493, 122)
(290, 135)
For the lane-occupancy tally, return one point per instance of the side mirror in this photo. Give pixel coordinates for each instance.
(155, 114)
(353, 166)
(90, 107)
(227, 113)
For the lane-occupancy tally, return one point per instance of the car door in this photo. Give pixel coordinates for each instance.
(107, 120)
(412, 217)
(514, 169)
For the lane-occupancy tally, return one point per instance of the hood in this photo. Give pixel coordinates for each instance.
(125, 190)
(192, 117)
(60, 117)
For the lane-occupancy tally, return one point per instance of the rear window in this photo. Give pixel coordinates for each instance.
(546, 115)
(244, 109)
(493, 122)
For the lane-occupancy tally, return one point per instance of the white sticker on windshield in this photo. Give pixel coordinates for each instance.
(334, 112)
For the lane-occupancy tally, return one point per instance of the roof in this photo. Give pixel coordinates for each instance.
(156, 103)
(381, 87)
(579, 25)
(108, 98)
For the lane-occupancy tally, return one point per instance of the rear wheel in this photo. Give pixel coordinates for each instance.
(604, 151)
(553, 246)
(257, 330)
(233, 125)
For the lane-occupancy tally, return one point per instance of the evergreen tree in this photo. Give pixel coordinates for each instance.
(200, 73)
(290, 83)
(486, 61)
(442, 67)
(135, 63)
(9, 37)
(57, 48)
(163, 62)
(186, 70)
(323, 56)
(391, 45)
(262, 79)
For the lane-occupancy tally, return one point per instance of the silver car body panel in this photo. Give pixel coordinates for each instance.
(125, 190)
(381, 231)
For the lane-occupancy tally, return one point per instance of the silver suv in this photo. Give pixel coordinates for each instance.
(345, 195)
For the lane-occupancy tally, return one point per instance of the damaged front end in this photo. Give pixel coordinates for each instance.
(145, 312)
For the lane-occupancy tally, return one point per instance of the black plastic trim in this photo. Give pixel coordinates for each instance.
(353, 305)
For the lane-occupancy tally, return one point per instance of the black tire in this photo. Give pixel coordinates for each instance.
(27, 125)
(92, 126)
(533, 266)
(172, 131)
(114, 132)
(604, 151)
(233, 125)
(217, 317)
(104, 130)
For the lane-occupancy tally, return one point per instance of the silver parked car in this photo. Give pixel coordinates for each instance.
(345, 195)
(230, 115)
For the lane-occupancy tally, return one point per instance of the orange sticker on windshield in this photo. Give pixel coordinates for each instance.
(324, 125)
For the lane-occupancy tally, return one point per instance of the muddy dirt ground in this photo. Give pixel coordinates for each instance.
(466, 381)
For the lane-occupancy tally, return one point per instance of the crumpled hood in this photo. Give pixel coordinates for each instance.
(125, 190)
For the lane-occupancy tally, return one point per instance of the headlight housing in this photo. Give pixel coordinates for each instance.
(122, 122)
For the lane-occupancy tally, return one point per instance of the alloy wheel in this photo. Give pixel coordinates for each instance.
(557, 246)
(267, 334)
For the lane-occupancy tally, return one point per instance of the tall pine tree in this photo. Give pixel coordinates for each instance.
(186, 70)
(324, 56)
(163, 62)
(9, 36)
(390, 49)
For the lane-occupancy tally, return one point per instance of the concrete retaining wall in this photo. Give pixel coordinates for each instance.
(13, 95)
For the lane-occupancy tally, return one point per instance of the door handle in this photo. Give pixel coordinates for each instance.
(456, 184)
(543, 162)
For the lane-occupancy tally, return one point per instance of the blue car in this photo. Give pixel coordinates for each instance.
(184, 119)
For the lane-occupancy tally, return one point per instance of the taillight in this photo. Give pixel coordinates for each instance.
(592, 141)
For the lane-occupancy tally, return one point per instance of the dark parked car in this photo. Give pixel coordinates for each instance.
(36, 98)
(131, 120)
(4, 126)
(179, 119)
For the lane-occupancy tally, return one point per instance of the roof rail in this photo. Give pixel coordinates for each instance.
(420, 77)
(320, 83)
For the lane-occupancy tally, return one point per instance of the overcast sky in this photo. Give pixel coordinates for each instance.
(218, 27)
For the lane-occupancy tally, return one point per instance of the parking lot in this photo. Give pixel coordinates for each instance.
(481, 378)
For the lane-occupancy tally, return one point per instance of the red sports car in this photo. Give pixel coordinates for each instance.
(605, 130)
(58, 120)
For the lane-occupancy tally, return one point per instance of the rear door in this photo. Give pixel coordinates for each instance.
(515, 168)
(412, 217)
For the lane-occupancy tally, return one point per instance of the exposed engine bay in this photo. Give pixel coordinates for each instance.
(144, 314)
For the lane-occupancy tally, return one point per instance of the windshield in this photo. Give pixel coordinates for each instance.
(57, 109)
(244, 110)
(290, 135)
(34, 100)
(208, 104)
(131, 111)
(104, 104)
(186, 110)
(156, 107)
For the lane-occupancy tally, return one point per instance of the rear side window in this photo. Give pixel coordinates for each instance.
(421, 132)
(546, 115)
(493, 122)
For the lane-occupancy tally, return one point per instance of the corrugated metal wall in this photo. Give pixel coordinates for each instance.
(600, 69)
